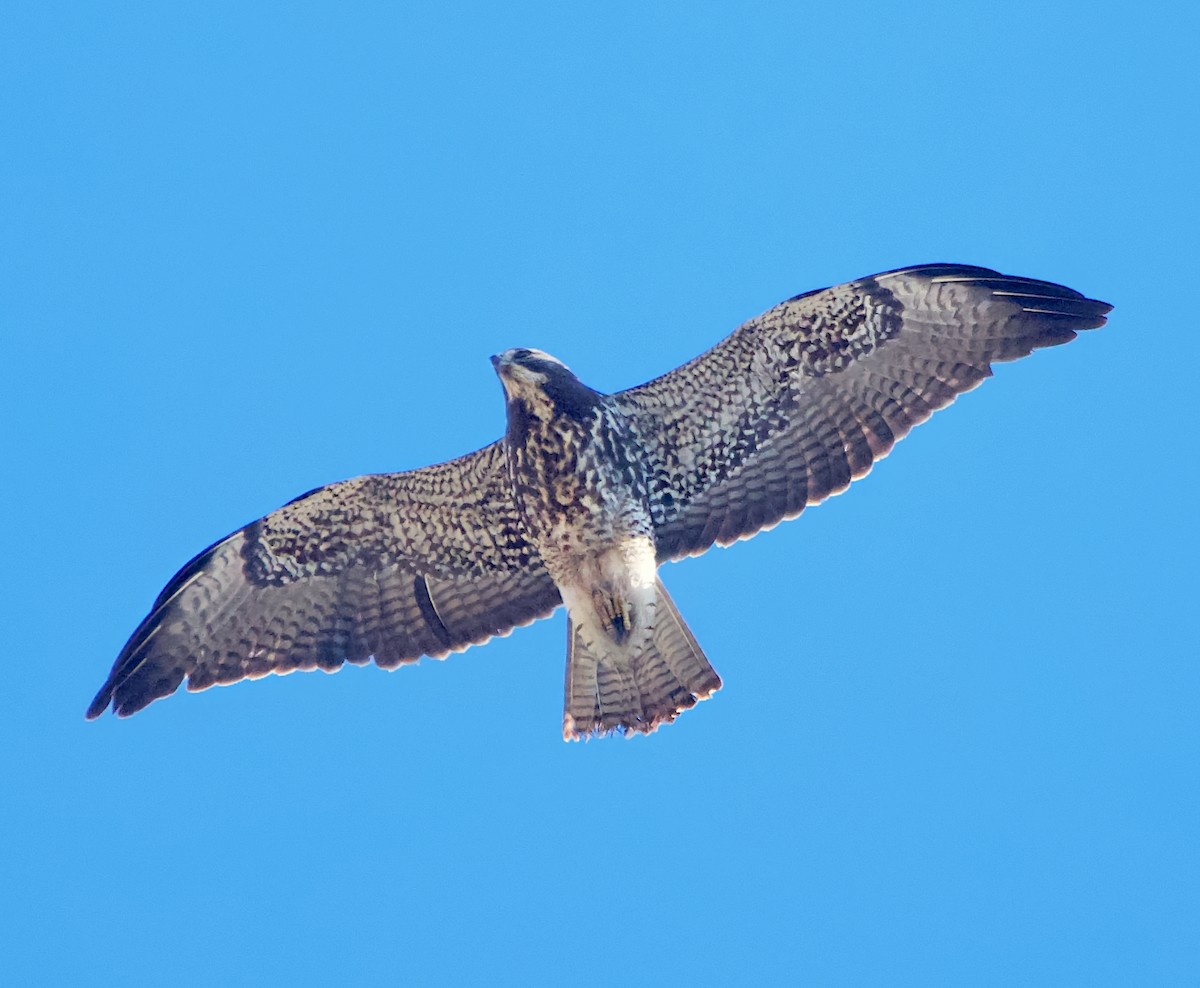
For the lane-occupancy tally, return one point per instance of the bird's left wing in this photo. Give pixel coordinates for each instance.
(388, 566)
(803, 399)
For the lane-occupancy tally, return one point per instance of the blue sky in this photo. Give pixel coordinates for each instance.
(251, 249)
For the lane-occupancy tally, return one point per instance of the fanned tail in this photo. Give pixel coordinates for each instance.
(635, 691)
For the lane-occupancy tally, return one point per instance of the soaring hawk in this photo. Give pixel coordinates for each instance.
(586, 495)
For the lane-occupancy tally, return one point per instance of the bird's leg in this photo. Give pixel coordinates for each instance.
(615, 612)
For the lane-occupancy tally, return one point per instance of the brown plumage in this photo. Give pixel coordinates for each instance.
(584, 497)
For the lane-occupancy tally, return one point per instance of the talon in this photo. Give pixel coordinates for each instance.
(615, 615)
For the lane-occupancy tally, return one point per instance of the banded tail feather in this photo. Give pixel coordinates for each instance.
(636, 691)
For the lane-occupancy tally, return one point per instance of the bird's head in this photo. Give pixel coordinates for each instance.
(542, 385)
(521, 369)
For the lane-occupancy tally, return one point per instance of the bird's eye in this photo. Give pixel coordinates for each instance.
(521, 353)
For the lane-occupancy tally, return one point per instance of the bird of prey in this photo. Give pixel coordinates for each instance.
(587, 494)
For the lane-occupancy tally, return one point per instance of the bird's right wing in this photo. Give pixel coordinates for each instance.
(387, 566)
(803, 399)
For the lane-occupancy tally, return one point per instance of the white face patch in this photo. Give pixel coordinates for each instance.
(521, 375)
(519, 379)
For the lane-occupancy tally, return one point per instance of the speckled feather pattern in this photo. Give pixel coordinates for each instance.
(802, 400)
(579, 482)
(451, 520)
(786, 411)
(389, 567)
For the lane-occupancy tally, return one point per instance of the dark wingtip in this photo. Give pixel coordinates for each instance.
(1047, 298)
(1102, 309)
(100, 703)
(133, 694)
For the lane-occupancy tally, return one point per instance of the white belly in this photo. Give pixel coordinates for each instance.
(610, 595)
